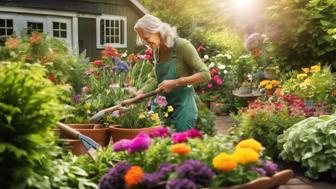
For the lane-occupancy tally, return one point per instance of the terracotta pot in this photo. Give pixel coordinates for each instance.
(118, 133)
(76, 146)
(266, 182)
(96, 132)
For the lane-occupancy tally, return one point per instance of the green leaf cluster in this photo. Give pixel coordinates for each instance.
(311, 142)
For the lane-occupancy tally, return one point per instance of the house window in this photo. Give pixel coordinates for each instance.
(59, 29)
(34, 27)
(111, 30)
(6, 27)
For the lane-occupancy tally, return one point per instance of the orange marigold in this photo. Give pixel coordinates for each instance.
(250, 143)
(224, 162)
(35, 38)
(245, 155)
(134, 175)
(12, 43)
(180, 148)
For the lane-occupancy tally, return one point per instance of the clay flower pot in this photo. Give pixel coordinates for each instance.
(118, 133)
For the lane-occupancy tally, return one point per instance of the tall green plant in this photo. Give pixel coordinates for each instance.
(299, 31)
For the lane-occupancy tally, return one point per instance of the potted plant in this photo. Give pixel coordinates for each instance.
(138, 118)
(269, 86)
(245, 87)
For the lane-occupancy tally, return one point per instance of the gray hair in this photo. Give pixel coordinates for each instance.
(153, 24)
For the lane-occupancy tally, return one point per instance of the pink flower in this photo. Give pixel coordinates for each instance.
(161, 101)
(200, 48)
(194, 133)
(210, 85)
(121, 145)
(160, 132)
(148, 57)
(141, 142)
(85, 90)
(98, 63)
(180, 137)
(213, 71)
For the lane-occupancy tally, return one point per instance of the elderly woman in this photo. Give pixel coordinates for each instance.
(177, 67)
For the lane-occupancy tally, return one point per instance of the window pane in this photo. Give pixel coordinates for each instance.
(107, 31)
(112, 32)
(63, 34)
(63, 26)
(117, 23)
(55, 25)
(117, 31)
(107, 23)
(112, 40)
(10, 23)
(112, 23)
(34, 26)
(116, 39)
(56, 33)
(108, 39)
(2, 31)
(9, 31)
(2, 23)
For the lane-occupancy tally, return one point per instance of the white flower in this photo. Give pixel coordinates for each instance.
(124, 54)
(225, 71)
(220, 55)
(222, 67)
(206, 57)
(228, 56)
(211, 65)
(249, 77)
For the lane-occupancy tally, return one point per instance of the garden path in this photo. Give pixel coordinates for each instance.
(223, 123)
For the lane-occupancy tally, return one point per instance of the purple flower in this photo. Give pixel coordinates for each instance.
(270, 167)
(115, 114)
(196, 171)
(141, 142)
(180, 184)
(165, 169)
(121, 145)
(259, 170)
(160, 132)
(77, 98)
(253, 42)
(114, 178)
(194, 133)
(151, 179)
(180, 137)
(122, 67)
(161, 101)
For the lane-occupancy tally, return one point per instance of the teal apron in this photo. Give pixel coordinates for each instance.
(182, 99)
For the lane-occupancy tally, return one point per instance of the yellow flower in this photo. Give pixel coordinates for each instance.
(224, 162)
(301, 76)
(315, 68)
(170, 109)
(246, 155)
(268, 86)
(166, 114)
(305, 70)
(250, 143)
(141, 116)
(155, 117)
(263, 83)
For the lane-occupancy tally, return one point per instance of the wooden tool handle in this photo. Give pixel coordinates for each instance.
(68, 130)
(139, 98)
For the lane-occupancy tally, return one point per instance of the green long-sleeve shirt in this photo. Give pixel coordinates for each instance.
(188, 62)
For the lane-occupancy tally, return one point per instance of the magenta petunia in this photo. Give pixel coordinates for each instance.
(159, 132)
(141, 142)
(194, 133)
(161, 101)
(180, 137)
(121, 145)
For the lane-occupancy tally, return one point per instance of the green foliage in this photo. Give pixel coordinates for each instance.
(29, 108)
(205, 120)
(304, 40)
(311, 142)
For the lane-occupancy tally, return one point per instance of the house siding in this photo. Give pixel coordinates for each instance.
(87, 26)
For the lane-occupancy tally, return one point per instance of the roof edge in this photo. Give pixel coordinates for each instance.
(139, 6)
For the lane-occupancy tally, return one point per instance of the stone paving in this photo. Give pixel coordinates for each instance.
(223, 123)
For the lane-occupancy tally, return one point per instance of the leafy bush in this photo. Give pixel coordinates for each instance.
(264, 121)
(29, 107)
(304, 40)
(311, 142)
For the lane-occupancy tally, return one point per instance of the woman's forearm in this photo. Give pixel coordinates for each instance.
(190, 80)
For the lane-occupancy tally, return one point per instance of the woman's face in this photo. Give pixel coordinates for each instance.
(151, 39)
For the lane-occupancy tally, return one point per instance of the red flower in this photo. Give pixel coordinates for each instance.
(200, 48)
(109, 51)
(35, 38)
(257, 53)
(52, 77)
(98, 63)
(213, 71)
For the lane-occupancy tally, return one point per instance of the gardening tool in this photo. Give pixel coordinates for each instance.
(90, 145)
(98, 116)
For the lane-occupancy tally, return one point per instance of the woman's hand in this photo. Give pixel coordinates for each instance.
(167, 85)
